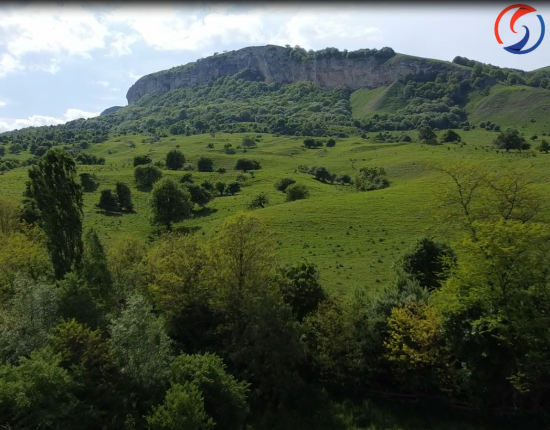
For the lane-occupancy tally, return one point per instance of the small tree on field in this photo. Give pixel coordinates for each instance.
(509, 139)
(331, 143)
(249, 142)
(220, 187)
(199, 195)
(124, 196)
(205, 164)
(146, 175)
(283, 184)
(296, 192)
(207, 185)
(187, 178)
(89, 182)
(322, 174)
(170, 203)
(108, 201)
(425, 133)
(175, 159)
(233, 187)
(451, 136)
(259, 201)
(142, 159)
(544, 146)
(245, 164)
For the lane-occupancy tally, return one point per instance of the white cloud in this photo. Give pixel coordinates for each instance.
(102, 83)
(2, 104)
(121, 44)
(52, 68)
(7, 124)
(115, 89)
(9, 64)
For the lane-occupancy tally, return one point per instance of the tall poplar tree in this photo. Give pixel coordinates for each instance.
(59, 198)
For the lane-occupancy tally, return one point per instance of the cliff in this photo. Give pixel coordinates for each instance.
(276, 64)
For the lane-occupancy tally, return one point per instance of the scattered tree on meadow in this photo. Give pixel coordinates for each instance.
(233, 187)
(146, 175)
(259, 201)
(249, 142)
(371, 178)
(220, 187)
(170, 203)
(88, 181)
(141, 160)
(331, 143)
(205, 164)
(544, 146)
(426, 134)
(59, 199)
(175, 159)
(510, 139)
(245, 165)
(124, 196)
(199, 195)
(451, 136)
(284, 183)
(108, 201)
(296, 192)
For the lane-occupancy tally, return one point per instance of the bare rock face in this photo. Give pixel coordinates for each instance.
(276, 65)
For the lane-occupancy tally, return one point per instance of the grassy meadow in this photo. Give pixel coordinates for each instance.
(353, 237)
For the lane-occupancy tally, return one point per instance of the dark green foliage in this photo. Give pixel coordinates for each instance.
(322, 174)
(371, 178)
(224, 397)
(233, 187)
(245, 164)
(187, 178)
(312, 143)
(509, 139)
(405, 138)
(175, 159)
(426, 134)
(146, 175)
(221, 170)
(89, 182)
(300, 288)
(331, 143)
(544, 146)
(205, 164)
(207, 185)
(220, 187)
(59, 199)
(170, 203)
(259, 201)
(427, 261)
(89, 159)
(451, 136)
(284, 183)
(108, 201)
(142, 159)
(2, 151)
(124, 196)
(296, 192)
(199, 195)
(249, 142)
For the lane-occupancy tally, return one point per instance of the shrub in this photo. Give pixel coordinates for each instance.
(205, 164)
(175, 160)
(141, 160)
(124, 196)
(331, 143)
(284, 183)
(233, 187)
(108, 201)
(245, 164)
(451, 136)
(89, 182)
(146, 175)
(259, 201)
(296, 192)
(371, 178)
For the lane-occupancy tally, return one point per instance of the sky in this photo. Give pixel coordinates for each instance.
(64, 61)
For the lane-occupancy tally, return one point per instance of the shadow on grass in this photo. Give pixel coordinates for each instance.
(113, 214)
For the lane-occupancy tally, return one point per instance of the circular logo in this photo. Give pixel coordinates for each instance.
(523, 9)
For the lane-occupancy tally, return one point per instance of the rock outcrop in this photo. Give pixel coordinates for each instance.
(276, 65)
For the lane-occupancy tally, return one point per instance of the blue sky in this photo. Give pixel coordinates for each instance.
(62, 62)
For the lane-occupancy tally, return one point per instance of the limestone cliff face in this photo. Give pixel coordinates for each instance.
(275, 65)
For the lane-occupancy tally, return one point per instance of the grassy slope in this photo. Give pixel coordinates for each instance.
(365, 103)
(353, 237)
(515, 105)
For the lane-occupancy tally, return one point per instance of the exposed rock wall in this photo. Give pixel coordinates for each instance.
(275, 65)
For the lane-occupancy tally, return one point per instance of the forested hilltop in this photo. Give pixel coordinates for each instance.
(251, 255)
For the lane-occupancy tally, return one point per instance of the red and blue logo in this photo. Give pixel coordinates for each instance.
(523, 9)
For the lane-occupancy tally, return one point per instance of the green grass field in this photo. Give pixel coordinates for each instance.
(353, 237)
